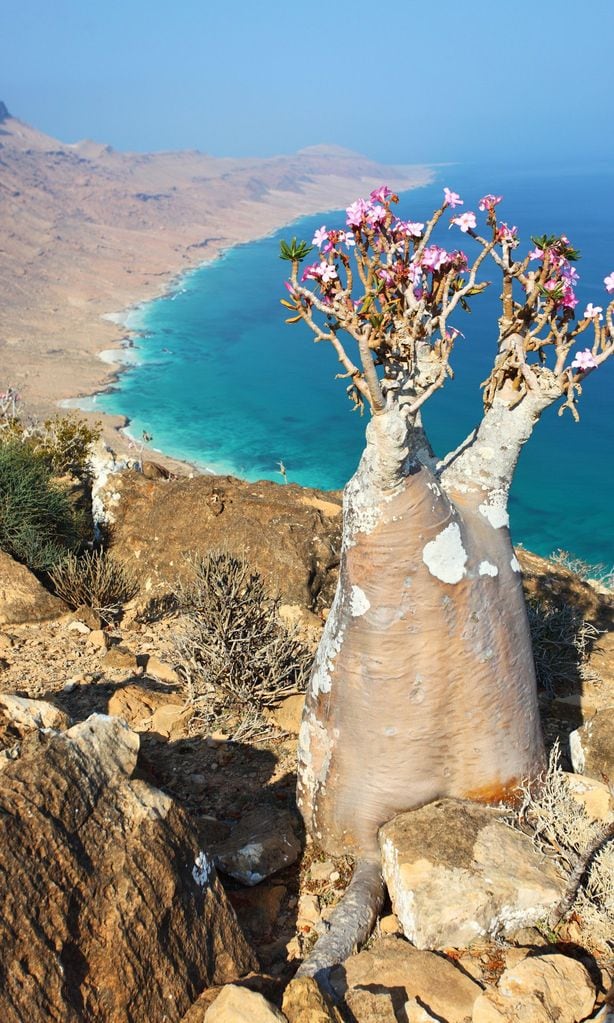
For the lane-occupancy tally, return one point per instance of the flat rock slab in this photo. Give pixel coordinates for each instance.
(22, 597)
(110, 911)
(456, 872)
(263, 842)
(393, 967)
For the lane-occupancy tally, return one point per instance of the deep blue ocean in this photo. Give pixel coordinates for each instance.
(223, 382)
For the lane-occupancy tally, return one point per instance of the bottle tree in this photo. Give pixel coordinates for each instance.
(424, 685)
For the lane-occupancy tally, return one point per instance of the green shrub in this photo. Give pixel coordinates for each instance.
(38, 524)
(65, 443)
(95, 579)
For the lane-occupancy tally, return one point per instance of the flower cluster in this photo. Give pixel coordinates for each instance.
(408, 277)
(584, 360)
(561, 276)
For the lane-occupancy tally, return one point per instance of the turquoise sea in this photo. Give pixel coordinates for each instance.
(220, 379)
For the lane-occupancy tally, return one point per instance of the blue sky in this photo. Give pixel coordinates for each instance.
(401, 81)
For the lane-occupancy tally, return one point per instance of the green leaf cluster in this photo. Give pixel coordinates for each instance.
(294, 251)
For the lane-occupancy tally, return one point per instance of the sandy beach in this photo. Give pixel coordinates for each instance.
(88, 233)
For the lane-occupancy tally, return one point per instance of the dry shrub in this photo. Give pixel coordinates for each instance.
(238, 658)
(561, 643)
(582, 848)
(95, 579)
(598, 572)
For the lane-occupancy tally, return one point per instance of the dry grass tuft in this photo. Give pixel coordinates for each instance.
(582, 848)
(561, 644)
(237, 657)
(95, 579)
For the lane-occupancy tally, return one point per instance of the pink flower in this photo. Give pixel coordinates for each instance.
(488, 202)
(356, 213)
(451, 199)
(536, 253)
(609, 283)
(320, 236)
(328, 272)
(386, 276)
(505, 233)
(584, 360)
(377, 215)
(312, 273)
(569, 273)
(592, 311)
(349, 239)
(380, 194)
(465, 221)
(433, 258)
(569, 300)
(287, 284)
(410, 228)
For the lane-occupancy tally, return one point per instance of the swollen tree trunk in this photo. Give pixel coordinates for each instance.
(423, 685)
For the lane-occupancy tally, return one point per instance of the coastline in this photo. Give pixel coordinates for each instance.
(116, 428)
(88, 230)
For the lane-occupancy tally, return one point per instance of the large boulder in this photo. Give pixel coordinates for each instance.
(393, 967)
(288, 534)
(456, 872)
(540, 989)
(111, 911)
(22, 597)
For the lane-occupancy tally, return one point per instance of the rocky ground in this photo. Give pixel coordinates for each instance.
(104, 796)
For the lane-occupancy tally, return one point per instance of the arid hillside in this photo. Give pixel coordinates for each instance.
(86, 231)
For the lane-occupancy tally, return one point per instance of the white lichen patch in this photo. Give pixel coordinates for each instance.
(445, 557)
(495, 510)
(515, 564)
(359, 603)
(330, 645)
(202, 869)
(486, 568)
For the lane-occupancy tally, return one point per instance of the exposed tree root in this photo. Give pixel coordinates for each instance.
(350, 924)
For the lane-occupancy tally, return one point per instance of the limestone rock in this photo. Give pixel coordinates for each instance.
(158, 669)
(540, 989)
(393, 965)
(415, 1013)
(23, 723)
(147, 709)
(97, 639)
(240, 1005)
(456, 872)
(288, 534)
(120, 658)
(305, 1003)
(28, 714)
(263, 842)
(370, 1006)
(592, 747)
(592, 795)
(22, 597)
(111, 912)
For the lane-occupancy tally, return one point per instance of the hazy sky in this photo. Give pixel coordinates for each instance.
(400, 81)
